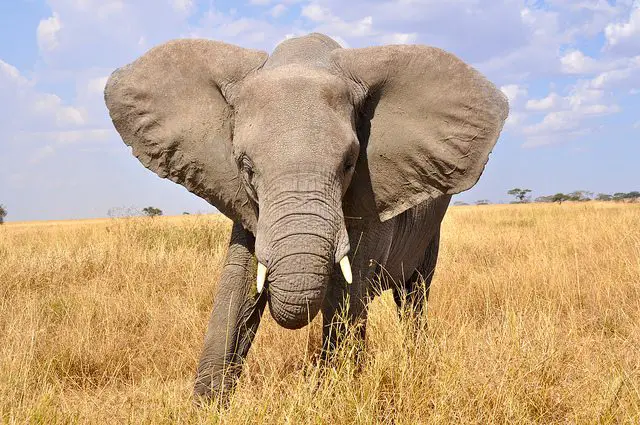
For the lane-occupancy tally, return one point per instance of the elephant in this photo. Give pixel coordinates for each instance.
(334, 164)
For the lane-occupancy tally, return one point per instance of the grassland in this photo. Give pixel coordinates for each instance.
(534, 318)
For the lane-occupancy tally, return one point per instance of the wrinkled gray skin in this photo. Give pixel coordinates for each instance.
(315, 152)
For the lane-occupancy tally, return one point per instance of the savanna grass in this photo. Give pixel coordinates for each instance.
(534, 317)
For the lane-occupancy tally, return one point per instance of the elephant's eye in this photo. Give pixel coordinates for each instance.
(350, 158)
(249, 175)
(246, 169)
(348, 166)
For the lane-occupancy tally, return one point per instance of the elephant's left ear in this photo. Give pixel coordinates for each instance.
(433, 122)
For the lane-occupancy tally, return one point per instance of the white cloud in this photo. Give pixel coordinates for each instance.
(621, 33)
(513, 92)
(41, 153)
(576, 62)
(66, 137)
(246, 32)
(362, 27)
(544, 104)
(182, 6)
(556, 127)
(9, 75)
(515, 119)
(600, 109)
(567, 117)
(537, 53)
(92, 34)
(47, 104)
(107, 9)
(575, 115)
(82, 136)
(553, 122)
(24, 107)
(316, 13)
(35, 125)
(95, 86)
(277, 10)
(69, 116)
(333, 25)
(270, 2)
(47, 33)
(399, 38)
(628, 72)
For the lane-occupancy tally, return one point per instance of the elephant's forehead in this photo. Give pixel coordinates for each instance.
(294, 82)
(284, 111)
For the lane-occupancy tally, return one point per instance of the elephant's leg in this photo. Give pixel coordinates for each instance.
(344, 310)
(345, 305)
(413, 295)
(234, 320)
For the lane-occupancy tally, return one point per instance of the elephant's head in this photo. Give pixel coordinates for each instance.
(290, 144)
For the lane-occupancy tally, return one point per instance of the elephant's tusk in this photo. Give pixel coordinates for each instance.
(346, 269)
(262, 277)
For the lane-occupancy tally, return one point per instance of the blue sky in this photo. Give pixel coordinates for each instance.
(571, 69)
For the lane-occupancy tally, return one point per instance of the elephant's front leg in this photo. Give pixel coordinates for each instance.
(344, 310)
(345, 305)
(235, 318)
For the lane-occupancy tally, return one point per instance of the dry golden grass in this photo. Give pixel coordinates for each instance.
(534, 318)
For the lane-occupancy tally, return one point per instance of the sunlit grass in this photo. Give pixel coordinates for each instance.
(534, 317)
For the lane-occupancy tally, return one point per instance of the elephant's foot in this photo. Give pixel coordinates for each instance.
(214, 389)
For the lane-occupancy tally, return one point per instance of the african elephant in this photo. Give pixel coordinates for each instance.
(321, 156)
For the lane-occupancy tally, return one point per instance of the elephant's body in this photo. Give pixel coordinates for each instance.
(408, 238)
(318, 154)
(399, 254)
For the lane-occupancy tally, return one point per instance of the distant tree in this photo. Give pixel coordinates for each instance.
(633, 195)
(521, 195)
(459, 203)
(580, 196)
(122, 212)
(603, 197)
(152, 211)
(483, 202)
(622, 196)
(546, 198)
(186, 213)
(3, 213)
(560, 198)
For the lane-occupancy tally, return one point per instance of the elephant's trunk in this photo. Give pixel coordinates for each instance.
(298, 278)
(301, 236)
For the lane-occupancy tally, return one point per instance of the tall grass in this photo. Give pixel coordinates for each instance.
(534, 317)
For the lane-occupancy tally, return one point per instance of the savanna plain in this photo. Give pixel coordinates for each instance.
(534, 317)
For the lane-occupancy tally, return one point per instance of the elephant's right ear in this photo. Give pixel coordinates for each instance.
(170, 106)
